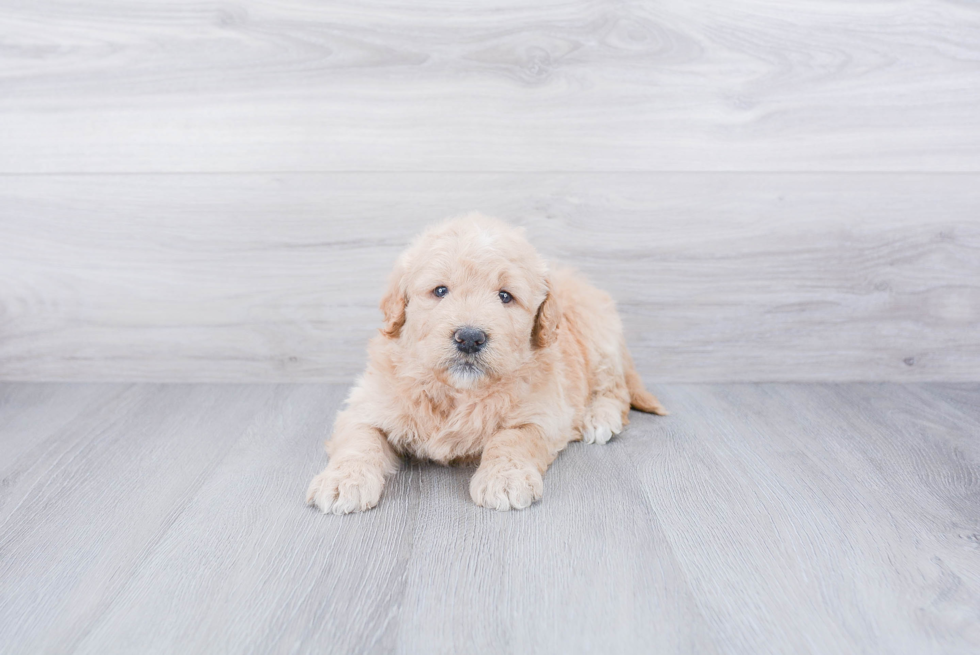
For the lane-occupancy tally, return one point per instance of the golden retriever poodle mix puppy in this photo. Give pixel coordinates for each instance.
(485, 357)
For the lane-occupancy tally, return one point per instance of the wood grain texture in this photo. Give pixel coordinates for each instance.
(837, 486)
(156, 446)
(756, 518)
(117, 86)
(277, 277)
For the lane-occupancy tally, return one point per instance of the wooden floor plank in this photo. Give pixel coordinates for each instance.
(962, 398)
(584, 570)
(804, 526)
(90, 511)
(280, 576)
(756, 518)
(33, 415)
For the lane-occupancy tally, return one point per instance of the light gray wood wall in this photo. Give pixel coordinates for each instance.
(214, 191)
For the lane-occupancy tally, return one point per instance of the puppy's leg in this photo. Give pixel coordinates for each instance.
(609, 409)
(605, 416)
(360, 460)
(511, 469)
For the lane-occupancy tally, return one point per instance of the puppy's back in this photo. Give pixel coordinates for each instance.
(592, 323)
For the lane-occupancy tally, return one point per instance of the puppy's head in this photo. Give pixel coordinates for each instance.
(468, 302)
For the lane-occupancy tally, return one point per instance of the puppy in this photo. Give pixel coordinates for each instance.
(485, 357)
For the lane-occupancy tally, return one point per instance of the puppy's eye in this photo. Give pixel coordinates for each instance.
(505, 297)
(439, 292)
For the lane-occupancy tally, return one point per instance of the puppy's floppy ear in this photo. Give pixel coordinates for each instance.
(546, 322)
(393, 305)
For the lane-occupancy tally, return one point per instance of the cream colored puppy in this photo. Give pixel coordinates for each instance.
(485, 357)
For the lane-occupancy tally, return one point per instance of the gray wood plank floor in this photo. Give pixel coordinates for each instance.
(757, 518)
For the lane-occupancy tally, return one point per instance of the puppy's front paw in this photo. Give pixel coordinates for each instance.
(505, 486)
(345, 488)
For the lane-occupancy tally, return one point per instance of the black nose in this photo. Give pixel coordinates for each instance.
(469, 340)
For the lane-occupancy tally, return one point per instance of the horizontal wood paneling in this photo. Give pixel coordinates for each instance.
(304, 85)
(277, 277)
(214, 191)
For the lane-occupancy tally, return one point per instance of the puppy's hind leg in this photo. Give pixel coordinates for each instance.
(617, 387)
(609, 408)
(605, 416)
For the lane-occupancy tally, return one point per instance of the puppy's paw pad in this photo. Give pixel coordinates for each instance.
(506, 487)
(343, 490)
(603, 419)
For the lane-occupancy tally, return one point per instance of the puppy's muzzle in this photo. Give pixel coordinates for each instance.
(470, 340)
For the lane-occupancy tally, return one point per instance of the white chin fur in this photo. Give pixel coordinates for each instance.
(465, 376)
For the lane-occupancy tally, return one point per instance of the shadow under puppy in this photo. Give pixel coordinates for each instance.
(485, 356)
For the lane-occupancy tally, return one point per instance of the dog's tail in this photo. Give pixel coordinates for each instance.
(640, 398)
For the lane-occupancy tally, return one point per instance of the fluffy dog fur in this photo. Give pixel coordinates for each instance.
(554, 369)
